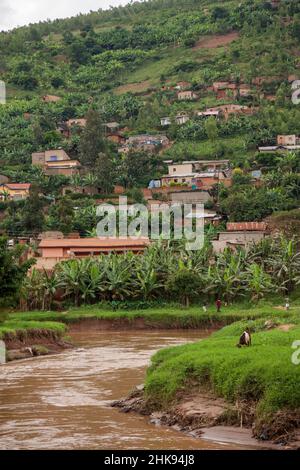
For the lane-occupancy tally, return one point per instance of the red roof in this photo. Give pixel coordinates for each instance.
(18, 185)
(98, 243)
(246, 226)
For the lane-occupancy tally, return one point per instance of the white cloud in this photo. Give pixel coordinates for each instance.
(18, 13)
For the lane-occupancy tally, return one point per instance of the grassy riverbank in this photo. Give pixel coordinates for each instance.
(160, 316)
(261, 379)
(22, 327)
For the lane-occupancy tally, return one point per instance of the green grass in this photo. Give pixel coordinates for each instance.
(14, 326)
(164, 316)
(262, 374)
(233, 147)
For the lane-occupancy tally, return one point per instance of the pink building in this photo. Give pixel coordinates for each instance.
(55, 250)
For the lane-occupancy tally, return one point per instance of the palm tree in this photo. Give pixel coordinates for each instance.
(70, 277)
(119, 276)
(258, 281)
(285, 264)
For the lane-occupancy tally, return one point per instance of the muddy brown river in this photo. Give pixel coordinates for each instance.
(63, 401)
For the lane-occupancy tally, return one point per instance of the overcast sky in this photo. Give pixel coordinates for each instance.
(20, 12)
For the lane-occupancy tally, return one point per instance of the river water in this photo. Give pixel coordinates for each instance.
(62, 401)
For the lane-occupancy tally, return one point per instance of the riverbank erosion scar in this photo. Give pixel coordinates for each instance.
(22, 344)
(202, 415)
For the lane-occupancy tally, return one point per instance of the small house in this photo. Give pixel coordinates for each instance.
(116, 138)
(165, 121)
(208, 114)
(14, 191)
(240, 234)
(51, 98)
(224, 89)
(288, 140)
(147, 142)
(112, 126)
(187, 95)
(182, 85)
(181, 119)
(56, 162)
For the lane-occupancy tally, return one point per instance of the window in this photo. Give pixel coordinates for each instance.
(53, 158)
(174, 169)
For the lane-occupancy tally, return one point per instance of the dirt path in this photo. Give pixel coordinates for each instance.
(217, 40)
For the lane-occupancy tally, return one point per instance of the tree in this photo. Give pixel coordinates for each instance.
(184, 283)
(12, 271)
(33, 219)
(104, 172)
(211, 129)
(92, 140)
(62, 215)
(258, 282)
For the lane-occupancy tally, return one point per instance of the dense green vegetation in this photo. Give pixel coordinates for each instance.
(165, 272)
(13, 270)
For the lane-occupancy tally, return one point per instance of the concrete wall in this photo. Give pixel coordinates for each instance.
(286, 140)
(241, 237)
(181, 168)
(191, 197)
(53, 252)
(59, 154)
(38, 158)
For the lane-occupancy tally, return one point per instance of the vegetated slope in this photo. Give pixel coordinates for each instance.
(126, 63)
(263, 377)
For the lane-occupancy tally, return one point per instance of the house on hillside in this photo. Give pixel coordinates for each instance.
(65, 128)
(51, 98)
(56, 162)
(226, 110)
(198, 174)
(243, 234)
(182, 85)
(165, 121)
(187, 95)
(245, 90)
(288, 140)
(113, 134)
(190, 197)
(207, 114)
(145, 142)
(224, 90)
(53, 251)
(112, 127)
(80, 122)
(181, 119)
(14, 191)
(280, 148)
(208, 217)
(116, 138)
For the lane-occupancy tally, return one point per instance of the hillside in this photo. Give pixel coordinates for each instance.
(125, 64)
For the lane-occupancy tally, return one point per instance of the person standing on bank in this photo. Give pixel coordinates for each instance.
(218, 305)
